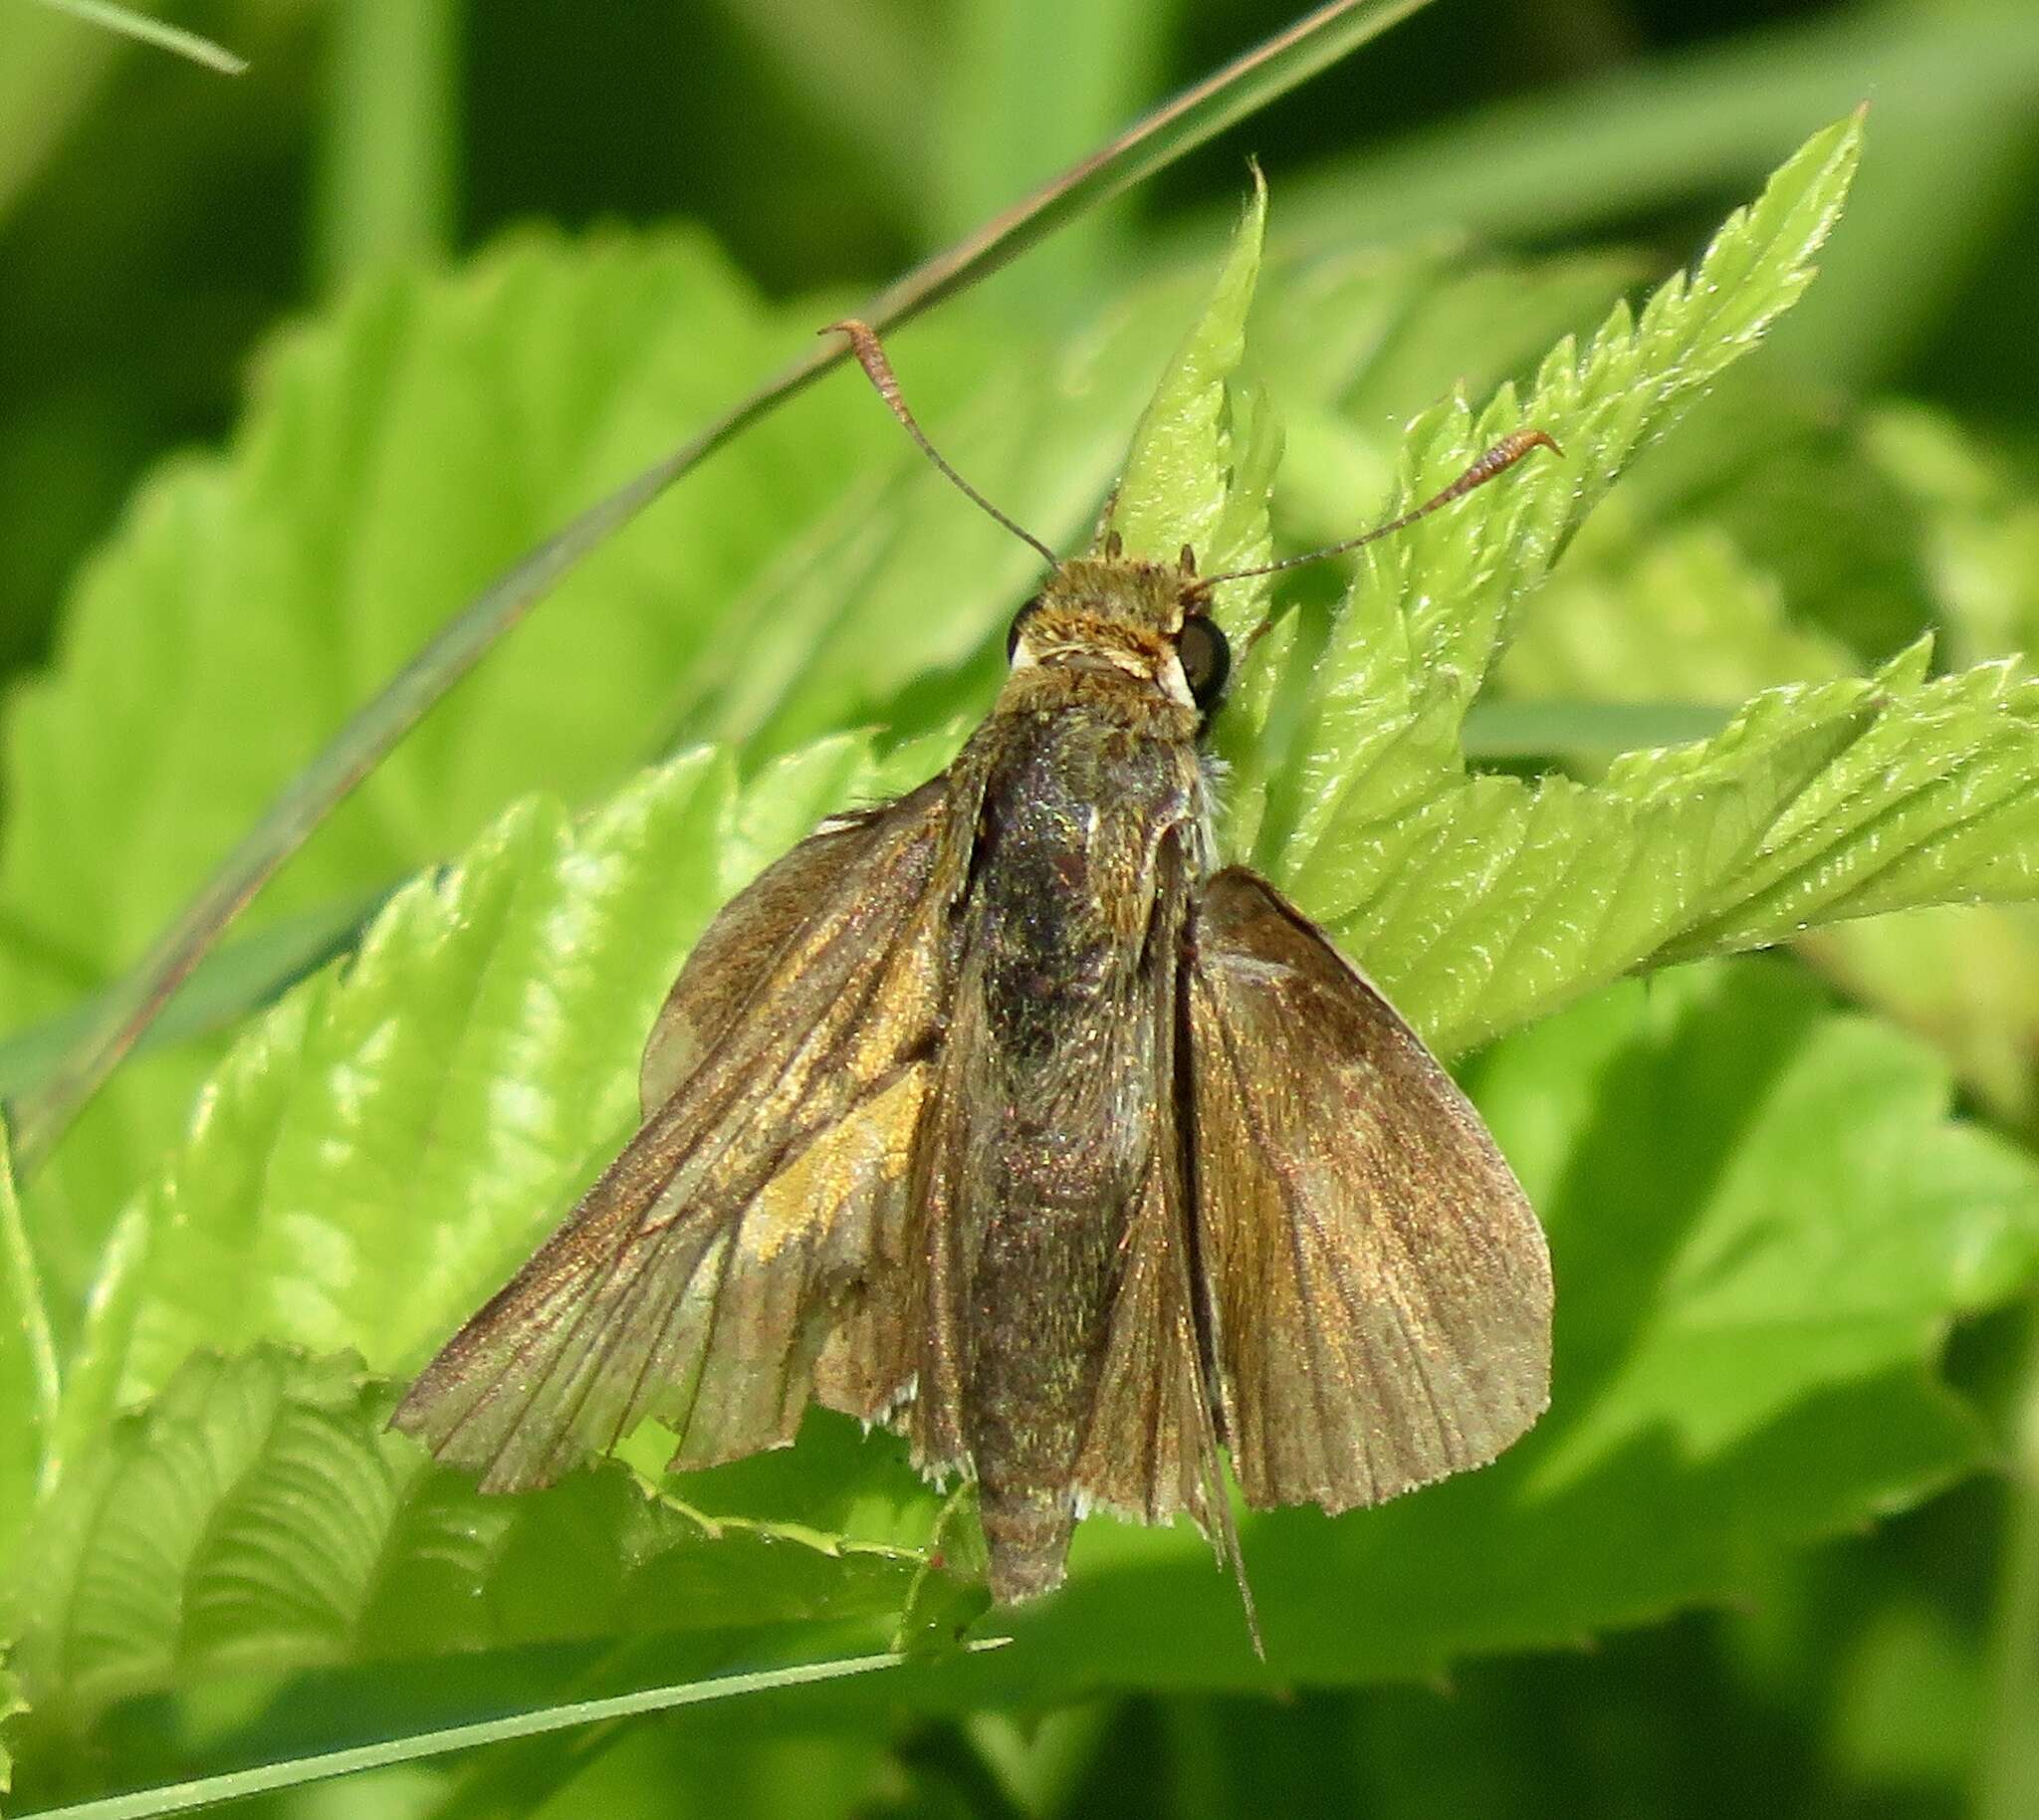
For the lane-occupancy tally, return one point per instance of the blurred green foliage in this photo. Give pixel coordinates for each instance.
(247, 1571)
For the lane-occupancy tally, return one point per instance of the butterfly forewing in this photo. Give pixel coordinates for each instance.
(754, 932)
(1380, 1289)
(774, 1181)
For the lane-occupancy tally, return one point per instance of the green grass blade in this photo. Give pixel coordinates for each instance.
(227, 984)
(1251, 81)
(268, 1778)
(386, 185)
(144, 30)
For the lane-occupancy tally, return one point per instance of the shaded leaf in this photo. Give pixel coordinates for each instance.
(258, 1518)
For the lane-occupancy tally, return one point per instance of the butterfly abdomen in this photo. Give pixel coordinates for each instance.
(1026, 1534)
(1061, 1097)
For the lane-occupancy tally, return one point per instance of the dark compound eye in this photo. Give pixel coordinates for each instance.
(1206, 658)
(1018, 624)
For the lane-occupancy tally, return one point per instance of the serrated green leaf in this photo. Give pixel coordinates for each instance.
(259, 1517)
(1432, 609)
(1935, 800)
(1499, 899)
(1201, 461)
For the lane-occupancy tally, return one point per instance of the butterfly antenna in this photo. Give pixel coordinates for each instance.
(870, 355)
(1494, 463)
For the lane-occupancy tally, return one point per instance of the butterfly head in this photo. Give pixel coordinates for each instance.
(1116, 613)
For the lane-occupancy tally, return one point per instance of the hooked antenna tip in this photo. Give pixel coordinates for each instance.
(870, 355)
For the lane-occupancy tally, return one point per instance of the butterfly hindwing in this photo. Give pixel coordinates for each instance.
(1149, 1450)
(1379, 1285)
